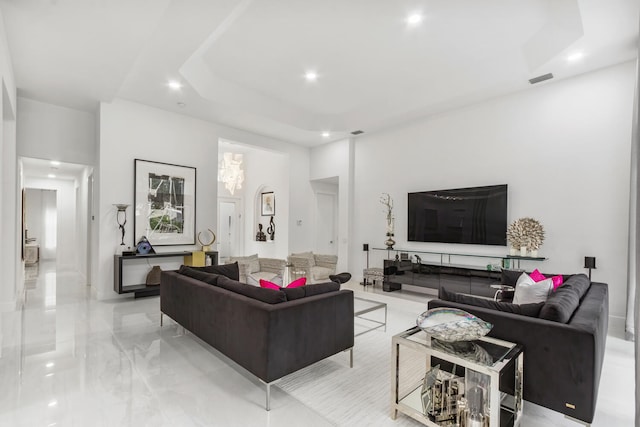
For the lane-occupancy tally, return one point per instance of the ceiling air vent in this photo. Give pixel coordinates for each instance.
(357, 132)
(541, 78)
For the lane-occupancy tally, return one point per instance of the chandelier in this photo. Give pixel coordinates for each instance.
(230, 171)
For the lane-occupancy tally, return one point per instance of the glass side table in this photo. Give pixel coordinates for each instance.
(462, 384)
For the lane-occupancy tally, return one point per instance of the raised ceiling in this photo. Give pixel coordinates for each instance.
(242, 62)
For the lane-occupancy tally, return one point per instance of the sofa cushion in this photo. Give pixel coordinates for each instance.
(528, 291)
(319, 273)
(198, 274)
(229, 270)
(251, 260)
(320, 288)
(269, 296)
(308, 255)
(510, 277)
(268, 285)
(531, 310)
(562, 303)
(294, 293)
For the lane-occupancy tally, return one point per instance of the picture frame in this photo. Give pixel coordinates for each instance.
(165, 203)
(268, 204)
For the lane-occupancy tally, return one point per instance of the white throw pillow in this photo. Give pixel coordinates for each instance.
(530, 292)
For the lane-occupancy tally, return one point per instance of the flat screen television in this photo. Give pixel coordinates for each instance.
(476, 215)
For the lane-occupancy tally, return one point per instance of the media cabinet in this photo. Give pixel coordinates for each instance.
(465, 273)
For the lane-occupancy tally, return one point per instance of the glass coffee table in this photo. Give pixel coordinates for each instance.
(362, 306)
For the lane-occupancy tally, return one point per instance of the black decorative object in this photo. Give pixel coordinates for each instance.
(365, 248)
(271, 230)
(590, 263)
(260, 236)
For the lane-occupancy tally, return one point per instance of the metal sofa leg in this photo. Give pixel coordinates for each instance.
(351, 357)
(161, 314)
(268, 396)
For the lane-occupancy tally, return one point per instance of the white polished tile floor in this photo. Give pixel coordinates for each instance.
(69, 360)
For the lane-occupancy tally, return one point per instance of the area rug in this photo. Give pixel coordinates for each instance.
(360, 396)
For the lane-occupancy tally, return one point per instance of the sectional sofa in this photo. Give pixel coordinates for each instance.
(563, 338)
(270, 333)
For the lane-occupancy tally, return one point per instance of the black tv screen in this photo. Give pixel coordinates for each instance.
(475, 215)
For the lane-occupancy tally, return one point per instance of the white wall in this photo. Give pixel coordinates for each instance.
(336, 160)
(562, 147)
(11, 276)
(66, 250)
(47, 131)
(129, 130)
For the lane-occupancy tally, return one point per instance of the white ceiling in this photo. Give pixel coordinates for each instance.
(41, 169)
(242, 61)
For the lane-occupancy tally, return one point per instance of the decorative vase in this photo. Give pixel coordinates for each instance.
(523, 251)
(513, 251)
(533, 253)
(390, 242)
(153, 277)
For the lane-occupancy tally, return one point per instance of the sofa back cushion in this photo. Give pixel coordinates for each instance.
(229, 270)
(199, 274)
(270, 296)
(252, 261)
(320, 288)
(562, 303)
(307, 255)
(531, 310)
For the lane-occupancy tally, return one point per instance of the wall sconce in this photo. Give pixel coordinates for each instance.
(590, 263)
(121, 218)
(230, 171)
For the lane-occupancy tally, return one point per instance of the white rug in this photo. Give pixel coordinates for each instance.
(360, 396)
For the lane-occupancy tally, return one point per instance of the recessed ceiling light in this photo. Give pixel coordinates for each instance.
(575, 56)
(53, 403)
(51, 175)
(174, 85)
(54, 163)
(326, 134)
(414, 19)
(50, 365)
(311, 76)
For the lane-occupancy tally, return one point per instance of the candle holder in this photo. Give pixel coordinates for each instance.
(121, 218)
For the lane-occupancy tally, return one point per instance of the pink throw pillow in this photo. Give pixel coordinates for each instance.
(295, 284)
(268, 285)
(538, 277)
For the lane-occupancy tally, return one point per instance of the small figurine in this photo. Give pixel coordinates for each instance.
(272, 229)
(260, 236)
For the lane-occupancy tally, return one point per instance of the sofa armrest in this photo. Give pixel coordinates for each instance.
(561, 363)
(327, 261)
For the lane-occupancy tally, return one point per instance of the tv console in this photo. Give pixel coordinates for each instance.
(453, 270)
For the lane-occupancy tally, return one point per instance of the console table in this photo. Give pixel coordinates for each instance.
(430, 269)
(142, 290)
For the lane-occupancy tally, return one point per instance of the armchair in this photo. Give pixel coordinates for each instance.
(253, 268)
(317, 268)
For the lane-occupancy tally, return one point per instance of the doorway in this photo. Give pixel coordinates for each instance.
(229, 229)
(41, 224)
(326, 223)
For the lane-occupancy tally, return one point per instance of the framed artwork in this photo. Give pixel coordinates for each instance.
(165, 203)
(268, 206)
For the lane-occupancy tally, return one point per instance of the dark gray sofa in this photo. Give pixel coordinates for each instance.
(562, 361)
(269, 339)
